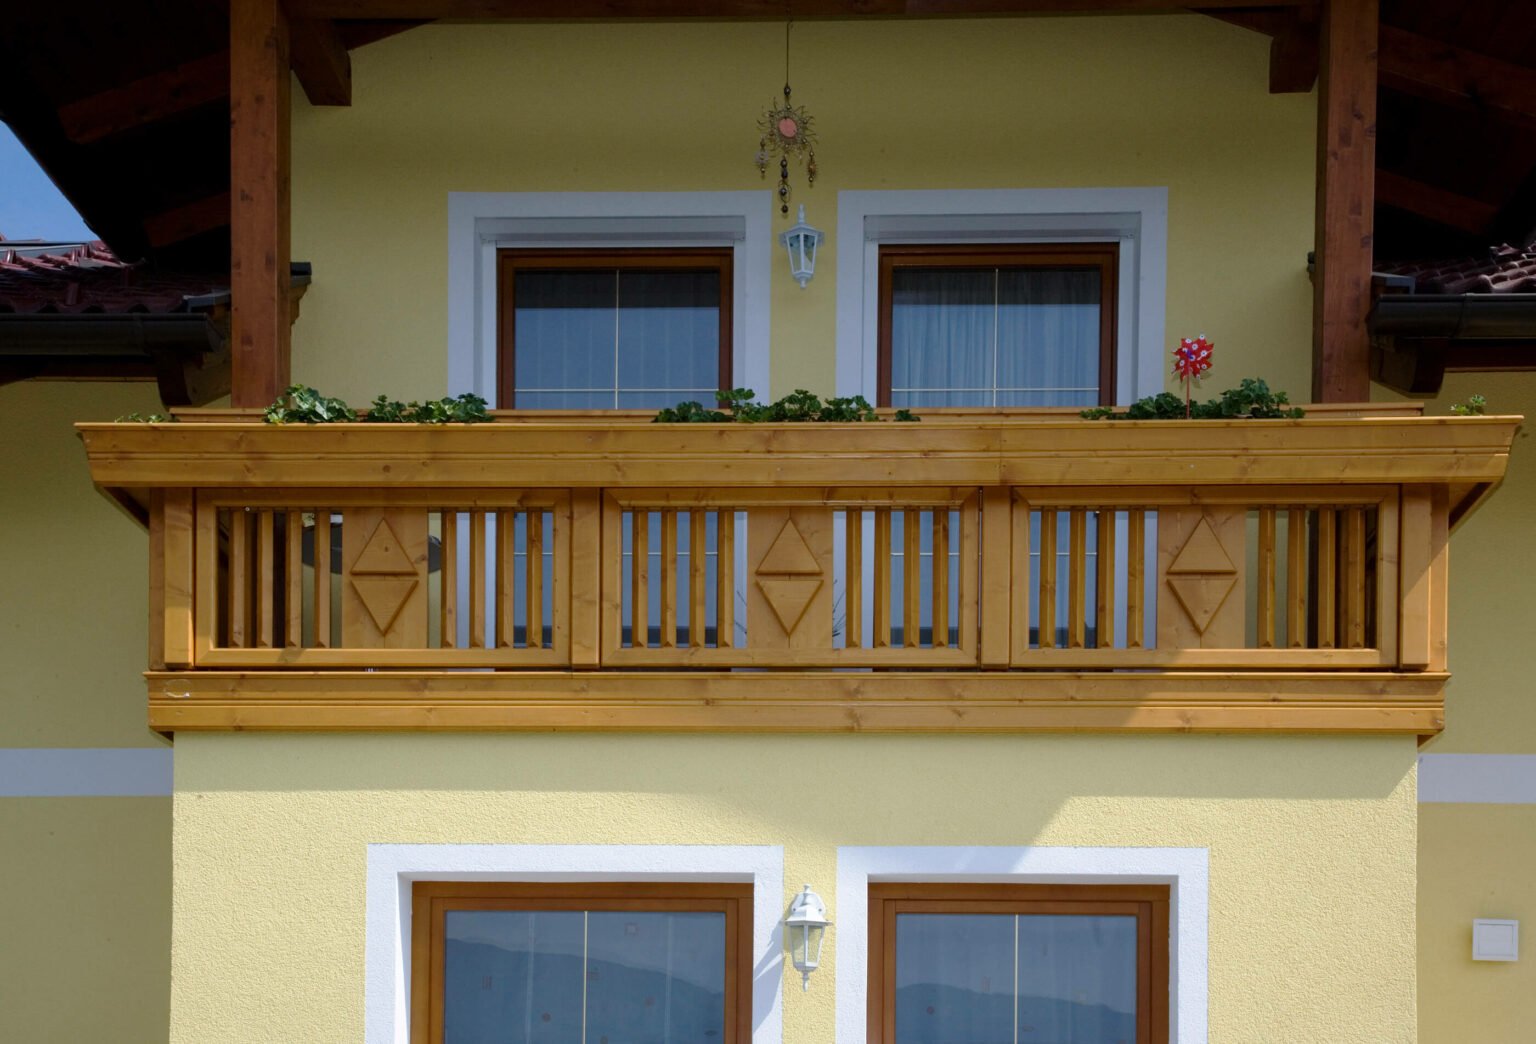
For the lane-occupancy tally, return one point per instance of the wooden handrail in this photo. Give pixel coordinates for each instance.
(1042, 548)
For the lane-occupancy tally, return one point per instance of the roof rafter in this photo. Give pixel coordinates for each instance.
(1435, 70)
(1436, 204)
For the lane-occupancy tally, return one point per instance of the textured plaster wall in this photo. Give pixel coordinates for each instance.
(85, 883)
(1178, 101)
(1311, 848)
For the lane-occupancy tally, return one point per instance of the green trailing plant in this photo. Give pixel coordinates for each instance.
(301, 404)
(1475, 406)
(461, 409)
(153, 418)
(800, 406)
(1252, 398)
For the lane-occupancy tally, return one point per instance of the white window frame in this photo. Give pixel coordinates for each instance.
(1185, 870)
(481, 223)
(1135, 218)
(392, 869)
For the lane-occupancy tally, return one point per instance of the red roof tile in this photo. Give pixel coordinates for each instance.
(73, 278)
(1505, 270)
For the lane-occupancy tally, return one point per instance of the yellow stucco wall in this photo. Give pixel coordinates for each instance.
(1179, 101)
(1311, 848)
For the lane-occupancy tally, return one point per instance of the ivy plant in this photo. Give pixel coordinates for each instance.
(468, 408)
(1475, 406)
(153, 418)
(1252, 398)
(800, 406)
(301, 404)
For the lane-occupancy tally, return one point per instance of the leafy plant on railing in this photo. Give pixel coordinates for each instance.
(1252, 398)
(800, 406)
(301, 404)
(1475, 406)
(468, 408)
(153, 418)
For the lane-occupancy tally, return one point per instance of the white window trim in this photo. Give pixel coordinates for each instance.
(1185, 870)
(480, 223)
(393, 868)
(1135, 218)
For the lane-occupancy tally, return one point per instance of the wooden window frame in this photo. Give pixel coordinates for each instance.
(509, 262)
(1149, 904)
(432, 900)
(1102, 257)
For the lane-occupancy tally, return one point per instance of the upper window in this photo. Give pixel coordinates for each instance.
(613, 329)
(1021, 324)
(1017, 963)
(601, 963)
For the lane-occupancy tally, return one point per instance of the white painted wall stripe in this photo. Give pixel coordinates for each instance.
(85, 772)
(1477, 779)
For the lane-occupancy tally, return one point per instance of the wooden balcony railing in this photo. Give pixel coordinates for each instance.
(971, 572)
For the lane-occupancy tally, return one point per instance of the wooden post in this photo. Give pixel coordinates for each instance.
(259, 175)
(1346, 172)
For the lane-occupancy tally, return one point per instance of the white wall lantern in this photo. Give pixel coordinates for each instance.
(801, 241)
(807, 923)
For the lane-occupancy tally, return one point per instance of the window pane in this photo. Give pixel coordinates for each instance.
(943, 328)
(563, 333)
(655, 978)
(1077, 979)
(669, 335)
(954, 979)
(512, 976)
(1048, 337)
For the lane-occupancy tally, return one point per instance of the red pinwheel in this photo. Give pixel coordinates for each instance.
(1191, 359)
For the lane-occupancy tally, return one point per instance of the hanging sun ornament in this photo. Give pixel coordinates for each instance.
(786, 131)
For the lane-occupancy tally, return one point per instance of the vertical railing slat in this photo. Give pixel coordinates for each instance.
(1296, 578)
(911, 579)
(853, 562)
(293, 578)
(940, 565)
(882, 591)
(1104, 582)
(725, 578)
(1077, 574)
(1327, 567)
(534, 571)
(1047, 608)
(1354, 578)
(448, 570)
(477, 579)
(264, 577)
(668, 579)
(239, 577)
(506, 576)
(322, 578)
(1135, 578)
(698, 563)
(640, 577)
(1266, 578)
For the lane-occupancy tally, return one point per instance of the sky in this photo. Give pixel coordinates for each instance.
(30, 207)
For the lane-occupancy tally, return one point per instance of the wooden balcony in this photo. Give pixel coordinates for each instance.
(993, 571)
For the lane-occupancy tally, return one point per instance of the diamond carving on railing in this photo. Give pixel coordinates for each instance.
(789, 576)
(1202, 575)
(383, 576)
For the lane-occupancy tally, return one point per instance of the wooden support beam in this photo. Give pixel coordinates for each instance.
(1346, 169)
(1436, 204)
(1434, 70)
(1293, 53)
(259, 183)
(202, 81)
(566, 10)
(320, 62)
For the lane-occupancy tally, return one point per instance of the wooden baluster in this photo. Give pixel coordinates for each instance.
(293, 578)
(1047, 613)
(1104, 577)
(1077, 573)
(239, 577)
(640, 577)
(322, 578)
(1135, 578)
(264, 577)
(1327, 566)
(477, 579)
(698, 563)
(1354, 578)
(940, 577)
(1296, 578)
(725, 579)
(882, 592)
(448, 570)
(853, 562)
(1266, 592)
(668, 579)
(912, 578)
(534, 571)
(506, 577)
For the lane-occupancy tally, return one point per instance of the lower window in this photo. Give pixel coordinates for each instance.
(1013, 964)
(595, 963)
